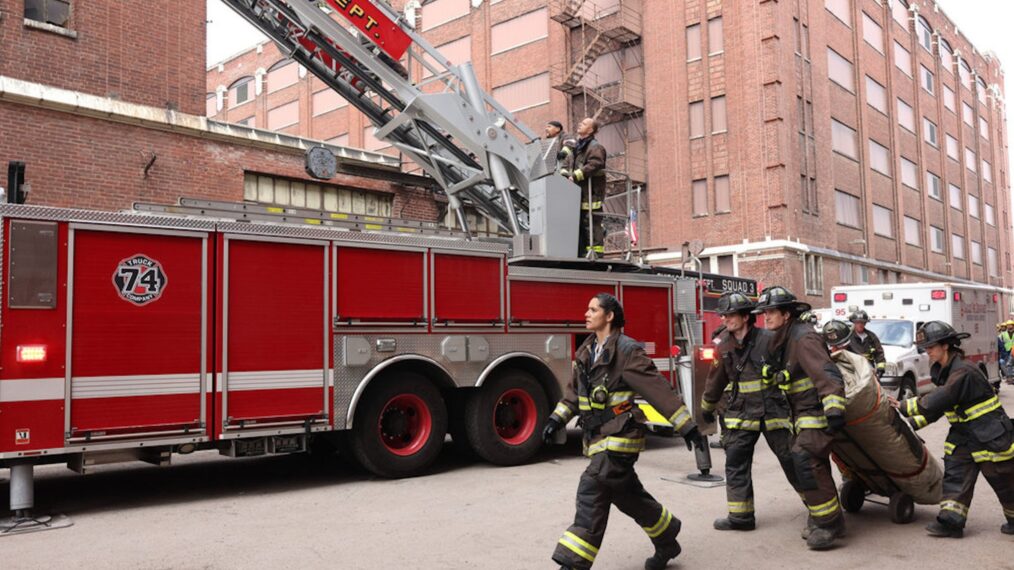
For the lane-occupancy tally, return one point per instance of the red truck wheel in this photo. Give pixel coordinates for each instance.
(399, 428)
(503, 420)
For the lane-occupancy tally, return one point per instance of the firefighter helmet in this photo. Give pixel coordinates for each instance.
(779, 297)
(859, 316)
(938, 332)
(836, 333)
(732, 302)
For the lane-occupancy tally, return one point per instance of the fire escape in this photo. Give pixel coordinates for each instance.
(604, 76)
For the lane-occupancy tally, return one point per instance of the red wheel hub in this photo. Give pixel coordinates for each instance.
(405, 424)
(515, 416)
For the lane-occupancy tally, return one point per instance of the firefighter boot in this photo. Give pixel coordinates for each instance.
(810, 525)
(1008, 527)
(662, 556)
(823, 537)
(727, 523)
(942, 530)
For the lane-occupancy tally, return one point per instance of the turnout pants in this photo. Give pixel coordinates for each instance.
(739, 446)
(610, 480)
(811, 451)
(960, 474)
(598, 234)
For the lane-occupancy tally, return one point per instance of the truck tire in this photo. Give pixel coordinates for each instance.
(400, 426)
(504, 419)
(902, 508)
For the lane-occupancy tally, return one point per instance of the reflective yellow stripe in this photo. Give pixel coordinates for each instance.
(652, 414)
(563, 412)
(920, 421)
(832, 402)
(680, 418)
(881, 365)
(708, 406)
(777, 423)
(993, 456)
(583, 404)
(811, 422)
(982, 408)
(952, 417)
(596, 249)
(1009, 513)
(617, 398)
(824, 509)
(801, 385)
(954, 507)
(741, 506)
(594, 205)
(617, 444)
(659, 527)
(911, 407)
(747, 425)
(578, 175)
(751, 387)
(578, 546)
(948, 448)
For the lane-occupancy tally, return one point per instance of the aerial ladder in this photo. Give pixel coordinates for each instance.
(457, 133)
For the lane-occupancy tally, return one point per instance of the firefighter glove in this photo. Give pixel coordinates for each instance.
(565, 173)
(553, 425)
(835, 423)
(693, 438)
(708, 415)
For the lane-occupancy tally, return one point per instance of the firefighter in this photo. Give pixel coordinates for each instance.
(610, 370)
(1005, 347)
(553, 129)
(980, 438)
(801, 367)
(866, 343)
(753, 408)
(585, 164)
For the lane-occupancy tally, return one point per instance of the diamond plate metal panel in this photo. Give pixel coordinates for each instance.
(28, 212)
(686, 297)
(464, 374)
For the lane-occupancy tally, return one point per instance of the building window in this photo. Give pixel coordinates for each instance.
(693, 42)
(845, 273)
(283, 116)
(847, 210)
(983, 128)
(250, 121)
(876, 95)
(946, 56)
(802, 37)
(906, 116)
(716, 41)
(967, 114)
(913, 233)
(980, 91)
(240, 92)
(843, 139)
(950, 101)
(697, 119)
(909, 173)
(973, 206)
(340, 140)
(937, 239)
(300, 194)
(899, 11)
(55, 12)
(933, 185)
(839, 70)
(952, 148)
(929, 132)
(516, 32)
(439, 12)
(524, 94)
(970, 159)
(880, 158)
(700, 197)
(813, 266)
(282, 74)
(719, 121)
(873, 33)
(954, 193)
(883, 221)
(902, 59)
(991, 261)
(842, 9)
(723, 195)
(926, 77)
(211, 105)
(987, 172)
(958, 246)
(456, 52)
(325, 101)
(965, 73)
(925, 34)
(990, 214)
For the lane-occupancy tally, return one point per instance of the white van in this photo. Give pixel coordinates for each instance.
(898, 309)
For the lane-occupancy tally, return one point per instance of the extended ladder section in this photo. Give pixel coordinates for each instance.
(455, 131)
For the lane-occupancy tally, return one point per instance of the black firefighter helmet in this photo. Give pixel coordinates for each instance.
(836, 333)
(859, 316)
(779, 297)
(938, 332)
(732, 302)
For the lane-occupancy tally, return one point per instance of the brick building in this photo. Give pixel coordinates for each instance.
(105, 105)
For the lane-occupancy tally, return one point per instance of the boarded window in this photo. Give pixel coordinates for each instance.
(842, 9)
(716, 41)
(282, 75)
(973, 206)
(937, 239)
(283, 116)
(909, 173)
(880, 158)
(340, 140)
(952, 148)
(524, 94)
(994, 270)
(965, 73)
(327, 100)
(211, 105)
(929, 132)
(906, 116)
(847, 209)
(371, 142)
(301, 194)
(843, 139)
(987, 171)
(970, 159)
(933, 185)
(442, 11)
(899, 11)
(699, 190)
(693, 42)
(457, 52)
(983, 128)
(723, 199)
(902, 59)
(883, 221)
(958, 246)
(697, 119)
(968, 114)
(719, 123)
(876, 95)
(980, 90)
(990, 214)
(519, 31)
(839, 70)
(950, 101)
(913, 231)
(954, 193)
(873, 33)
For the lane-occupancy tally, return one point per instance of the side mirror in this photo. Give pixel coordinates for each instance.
(920, 350)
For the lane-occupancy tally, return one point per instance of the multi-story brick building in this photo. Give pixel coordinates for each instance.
(104, 103)
(811, 142)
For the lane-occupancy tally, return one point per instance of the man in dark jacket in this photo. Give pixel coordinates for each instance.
(754, 407)
(981, 436)
(610, 371)
(801, 367)
(866, 343)
(585, 164)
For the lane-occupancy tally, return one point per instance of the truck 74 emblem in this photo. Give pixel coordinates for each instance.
(139, 279)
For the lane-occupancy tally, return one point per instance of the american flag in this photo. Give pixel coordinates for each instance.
(631, 229)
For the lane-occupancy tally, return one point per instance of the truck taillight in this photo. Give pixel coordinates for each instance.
(938, 294)
(707, 353)
(31, 353)
(957, 296)
(840, 297)
(674, 351)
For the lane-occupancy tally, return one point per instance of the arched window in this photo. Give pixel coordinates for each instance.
(946, 56)
(925, 34)
(965, 72)
(282, 74)
(241, 91)
(980, 92)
